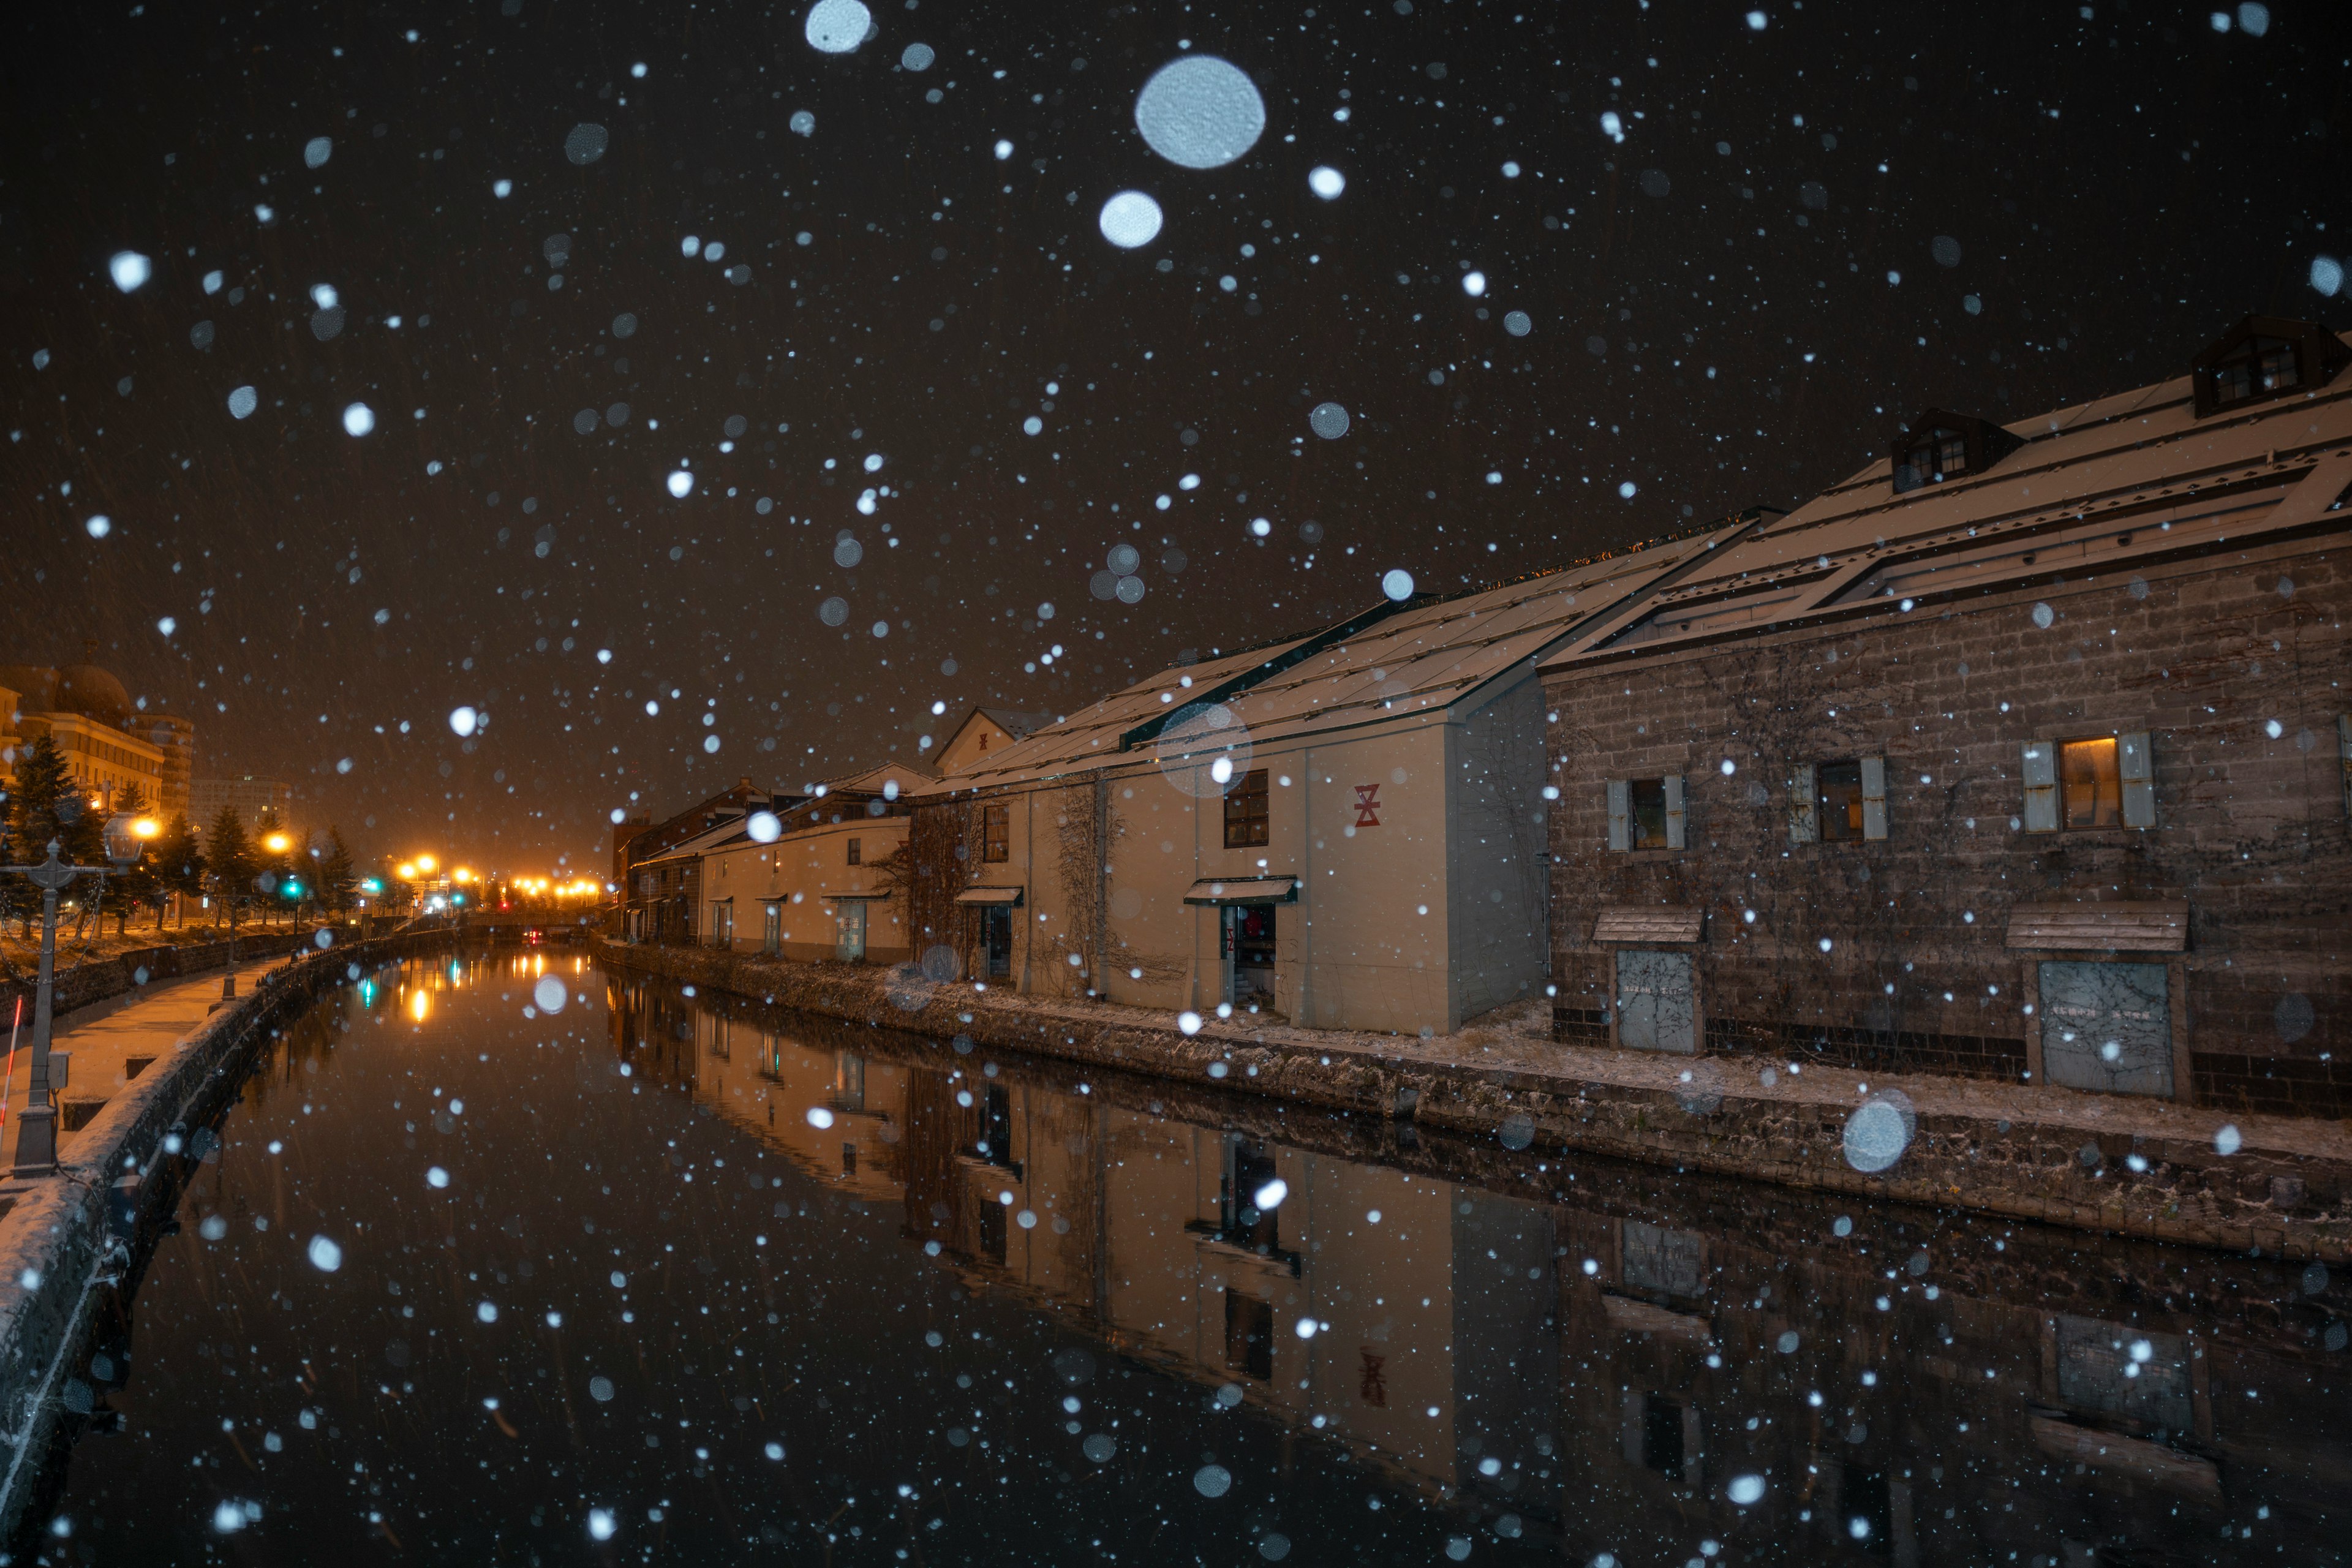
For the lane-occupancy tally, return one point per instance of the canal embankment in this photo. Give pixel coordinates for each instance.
(87, 982)
(2155, 1170)
(63, 1236)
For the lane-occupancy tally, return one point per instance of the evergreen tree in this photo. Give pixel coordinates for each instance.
(136, 884)
(46, 805)
(231, 860)
(42, 786)
(179, 860)
(336, 877)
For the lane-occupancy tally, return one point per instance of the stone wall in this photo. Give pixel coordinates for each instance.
(1998, 1154)
(1893, 954)
(81, 985)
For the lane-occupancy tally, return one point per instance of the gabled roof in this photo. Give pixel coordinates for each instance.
(2117, 484)
(1018, 725)
(732, 830)
(1393, 662)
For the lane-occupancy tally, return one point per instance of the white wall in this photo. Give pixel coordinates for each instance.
(1423, 911)
(795, 873)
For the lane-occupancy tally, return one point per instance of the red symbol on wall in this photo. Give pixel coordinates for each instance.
(1373, 1389)
(1368, 806)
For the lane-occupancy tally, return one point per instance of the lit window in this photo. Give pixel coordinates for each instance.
(2092, 779)
(1246, 812)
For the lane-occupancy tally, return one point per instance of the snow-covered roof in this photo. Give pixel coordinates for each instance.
(731, 830)
(1390, 662)
(2122, 483)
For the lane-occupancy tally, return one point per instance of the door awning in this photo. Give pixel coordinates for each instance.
(2149, 926)
(1002, 898)
(857, 896)
(1648, 923)
(1244, 890)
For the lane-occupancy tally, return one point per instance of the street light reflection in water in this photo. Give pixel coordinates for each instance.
(609, 1275)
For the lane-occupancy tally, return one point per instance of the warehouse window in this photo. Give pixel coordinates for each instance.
(2095, 782)
(856, 850)
(1839, 802)
(995, 833)
(1246, 812)
(1646, 814)
(2256, 368)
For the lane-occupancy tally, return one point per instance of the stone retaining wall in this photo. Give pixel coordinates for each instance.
(62, 1234)
(2035, 1154)
(81, 985)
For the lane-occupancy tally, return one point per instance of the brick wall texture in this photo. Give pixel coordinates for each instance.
(2251, 826)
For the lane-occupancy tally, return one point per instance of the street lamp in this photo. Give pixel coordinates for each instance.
(36, 1130)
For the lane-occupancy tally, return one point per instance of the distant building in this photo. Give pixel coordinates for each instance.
(984, 731)
(829, 886)
(176, 739)
(249, 795)
(660, 903)
(96, 725)
(2022, 752)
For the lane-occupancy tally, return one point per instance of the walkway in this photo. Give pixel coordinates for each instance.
(106, 1038)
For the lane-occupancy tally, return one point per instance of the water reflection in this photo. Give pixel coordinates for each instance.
(1651, 1366)
(718, 1281)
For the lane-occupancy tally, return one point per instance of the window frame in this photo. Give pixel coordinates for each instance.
(1255, 828)
(1624, 818)
(995, 833)
(857, 849)
(2048, 797)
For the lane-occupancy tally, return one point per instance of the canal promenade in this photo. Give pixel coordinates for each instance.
(112, 1043)
(2145, 1168)
(62, 1236)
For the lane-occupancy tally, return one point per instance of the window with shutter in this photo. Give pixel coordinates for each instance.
(1804, 823)
(1621, 828)
(1840, 796)
(2041, 773)
(2137, 765)
(1675, 837)
(1873, 797)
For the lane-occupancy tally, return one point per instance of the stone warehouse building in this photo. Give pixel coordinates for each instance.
(1344, 829)
(2021, 752)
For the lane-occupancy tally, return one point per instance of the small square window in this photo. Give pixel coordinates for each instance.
(1646, 799)
(2092, 780)
(1839, 785)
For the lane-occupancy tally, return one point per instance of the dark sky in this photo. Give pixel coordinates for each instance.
(1808, 230)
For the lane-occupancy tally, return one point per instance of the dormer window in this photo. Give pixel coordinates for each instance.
(1939, 446)
(1940, 453)
(2255, 368)
(2264, 357)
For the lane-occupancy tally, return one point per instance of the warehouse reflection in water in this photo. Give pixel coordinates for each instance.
(1626, 1357)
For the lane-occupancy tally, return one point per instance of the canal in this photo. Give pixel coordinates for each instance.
(500, 1258)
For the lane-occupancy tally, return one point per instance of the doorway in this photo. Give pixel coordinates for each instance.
(1656, 1007)
(849, 940)
(2107, 1027)
(1249, 931)
(996, 942)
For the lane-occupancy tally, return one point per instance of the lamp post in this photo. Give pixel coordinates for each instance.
(36, 1132)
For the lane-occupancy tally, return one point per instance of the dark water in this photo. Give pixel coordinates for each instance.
(716, 1285)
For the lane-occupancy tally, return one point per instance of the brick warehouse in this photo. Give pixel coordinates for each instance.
(2020, 753)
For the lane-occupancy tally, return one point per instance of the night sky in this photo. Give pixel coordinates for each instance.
(1799, 233)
